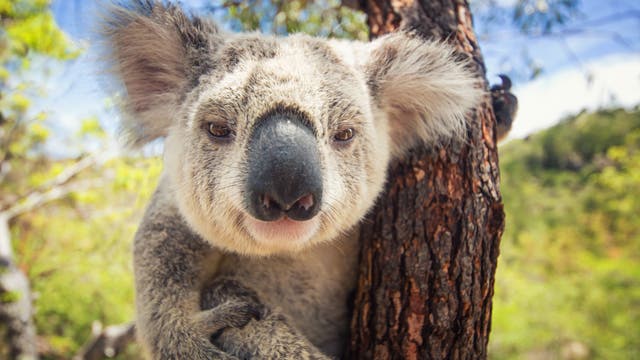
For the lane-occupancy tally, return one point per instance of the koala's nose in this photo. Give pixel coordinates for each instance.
(284, 173)
(303, 208)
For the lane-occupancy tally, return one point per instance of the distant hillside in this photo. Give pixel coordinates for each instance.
(568, 282)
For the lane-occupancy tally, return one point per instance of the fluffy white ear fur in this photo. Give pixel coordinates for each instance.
(422, 87)
(156, 51)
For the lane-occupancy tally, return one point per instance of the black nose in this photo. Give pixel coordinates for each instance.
(284, 175)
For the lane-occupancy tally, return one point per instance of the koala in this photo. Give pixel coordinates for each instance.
(274, 149)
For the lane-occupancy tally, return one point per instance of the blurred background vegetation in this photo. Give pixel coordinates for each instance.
(568, 282)
(568, 279)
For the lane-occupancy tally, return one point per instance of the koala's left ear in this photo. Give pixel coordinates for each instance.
(422, 86)
(158, 52)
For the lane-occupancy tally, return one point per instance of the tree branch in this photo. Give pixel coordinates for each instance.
(37, 199)
(107, 342)
(61, 179)
(71, 171)
(15, 308)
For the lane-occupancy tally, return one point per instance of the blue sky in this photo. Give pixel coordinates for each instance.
(597, 64)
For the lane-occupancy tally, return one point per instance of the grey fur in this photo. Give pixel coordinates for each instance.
(212, 282)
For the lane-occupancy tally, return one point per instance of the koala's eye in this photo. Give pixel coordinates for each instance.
(219, 131)
(344, 135)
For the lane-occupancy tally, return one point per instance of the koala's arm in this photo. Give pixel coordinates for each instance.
(267, 337)
(270, 337)
(171, 264)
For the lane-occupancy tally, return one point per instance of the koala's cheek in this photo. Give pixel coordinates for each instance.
(173, 153)
(379, 156)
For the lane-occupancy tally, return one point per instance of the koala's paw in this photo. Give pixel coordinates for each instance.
(232, 313)
(226, 303)
(209, 352)
(267, 338)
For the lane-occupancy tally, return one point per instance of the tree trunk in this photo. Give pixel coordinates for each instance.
(429, 248)
(16, 324)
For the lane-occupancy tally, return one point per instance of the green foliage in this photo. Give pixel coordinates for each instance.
(529, 24)
(28, 25)
(9, 297)
(535, 17)
(28, 29)
(569, 269)
(78, 253)
(319, 18)
(91, 127)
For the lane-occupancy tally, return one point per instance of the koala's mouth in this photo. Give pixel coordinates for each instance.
(283, 233)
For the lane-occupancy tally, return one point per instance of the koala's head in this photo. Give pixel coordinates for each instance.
(275, 144)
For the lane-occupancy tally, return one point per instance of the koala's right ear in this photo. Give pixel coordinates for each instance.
(158, 52)
(424, 88)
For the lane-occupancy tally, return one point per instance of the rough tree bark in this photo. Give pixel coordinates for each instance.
(429, 248)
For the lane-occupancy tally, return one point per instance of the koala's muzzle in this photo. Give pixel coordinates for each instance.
(284, 176)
